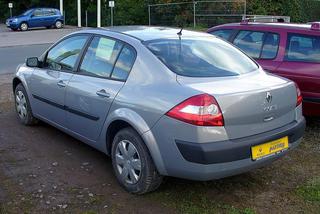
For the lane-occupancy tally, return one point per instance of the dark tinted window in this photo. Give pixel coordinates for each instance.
(303, 48)
(100, 57)
(250, 42)
(259, 45)
(124, 63)
(65, 54)
(224, 34)
(270, 46)
(201, 57)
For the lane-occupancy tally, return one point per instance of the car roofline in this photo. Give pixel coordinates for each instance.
(287, 26)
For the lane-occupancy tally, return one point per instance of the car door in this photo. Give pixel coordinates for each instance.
(93, 88)
(48, 83)
(36, 18)
(301, 64)
(49, 17)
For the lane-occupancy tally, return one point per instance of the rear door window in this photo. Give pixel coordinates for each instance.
(124, 63)
(250, 42)
(100, 57)
(270, 46)
(224, 34)
(259, 45)
(303, 48)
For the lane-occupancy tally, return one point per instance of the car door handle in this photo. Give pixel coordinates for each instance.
(61, 84)
(103, 93)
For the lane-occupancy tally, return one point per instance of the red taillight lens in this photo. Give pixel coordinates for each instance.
(200, 110)
(299, 96)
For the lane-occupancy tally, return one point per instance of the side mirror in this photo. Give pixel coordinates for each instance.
(32, 62)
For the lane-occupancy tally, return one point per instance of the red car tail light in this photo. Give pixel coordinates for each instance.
(199, 110)
(299, 96)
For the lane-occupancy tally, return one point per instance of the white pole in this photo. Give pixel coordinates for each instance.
(111, 16)
(194, 14)
(99, 13)
(79, 13)
(61, 6)
(149, 11)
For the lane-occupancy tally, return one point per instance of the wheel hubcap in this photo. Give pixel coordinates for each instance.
(24, 27)
(58, 24)
(21, 104)
(128, 162)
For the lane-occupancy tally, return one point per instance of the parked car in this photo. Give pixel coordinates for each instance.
(37, 17)
(161, 102)
(288, 50)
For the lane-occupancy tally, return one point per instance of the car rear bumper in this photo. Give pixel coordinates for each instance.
(208, 161)
(237, 149)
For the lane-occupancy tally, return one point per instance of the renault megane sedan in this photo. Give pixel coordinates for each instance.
(161, 102)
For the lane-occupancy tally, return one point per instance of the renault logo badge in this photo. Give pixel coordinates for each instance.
(269, 97)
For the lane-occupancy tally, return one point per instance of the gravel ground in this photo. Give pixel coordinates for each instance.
(43, 170)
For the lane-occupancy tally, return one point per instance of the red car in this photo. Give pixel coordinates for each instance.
(288, 50)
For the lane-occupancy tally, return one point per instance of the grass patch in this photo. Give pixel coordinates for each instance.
(310, 191)
(193, 202)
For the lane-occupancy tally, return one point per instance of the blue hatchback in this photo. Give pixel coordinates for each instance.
(37, 17)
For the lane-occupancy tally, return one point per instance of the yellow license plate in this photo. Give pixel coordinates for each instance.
(267, 149)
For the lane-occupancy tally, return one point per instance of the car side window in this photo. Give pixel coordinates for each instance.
(49, 12)
(124, 63)
(65, 54)
(303, 48)
(100, 57)
(224, 34)
(270, 46)
(250, 42)
(37, 13)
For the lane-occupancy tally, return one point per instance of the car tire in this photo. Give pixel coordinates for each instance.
(58, 24)
(22, 106)
(132, 163)
(24, 26)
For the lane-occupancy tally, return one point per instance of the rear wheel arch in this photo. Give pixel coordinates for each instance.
(113, 129)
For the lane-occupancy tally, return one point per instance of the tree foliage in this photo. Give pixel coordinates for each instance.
(129, 12)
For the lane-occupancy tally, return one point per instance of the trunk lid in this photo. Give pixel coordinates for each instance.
(252, 103)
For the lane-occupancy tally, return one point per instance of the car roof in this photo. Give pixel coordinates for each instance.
(146, 33)
(274, 25)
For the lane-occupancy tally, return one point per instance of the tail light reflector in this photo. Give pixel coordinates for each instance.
(199, 110)
(299, 96)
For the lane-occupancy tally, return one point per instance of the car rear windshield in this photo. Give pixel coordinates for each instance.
(201, 57)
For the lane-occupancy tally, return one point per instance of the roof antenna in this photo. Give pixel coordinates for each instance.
(180, 33)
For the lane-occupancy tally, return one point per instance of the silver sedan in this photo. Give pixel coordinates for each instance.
(161, 102)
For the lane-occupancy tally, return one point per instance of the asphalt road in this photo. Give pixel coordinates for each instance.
(11, 57)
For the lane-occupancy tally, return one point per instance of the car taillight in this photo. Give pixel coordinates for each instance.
(299, 96)
(199, 110)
